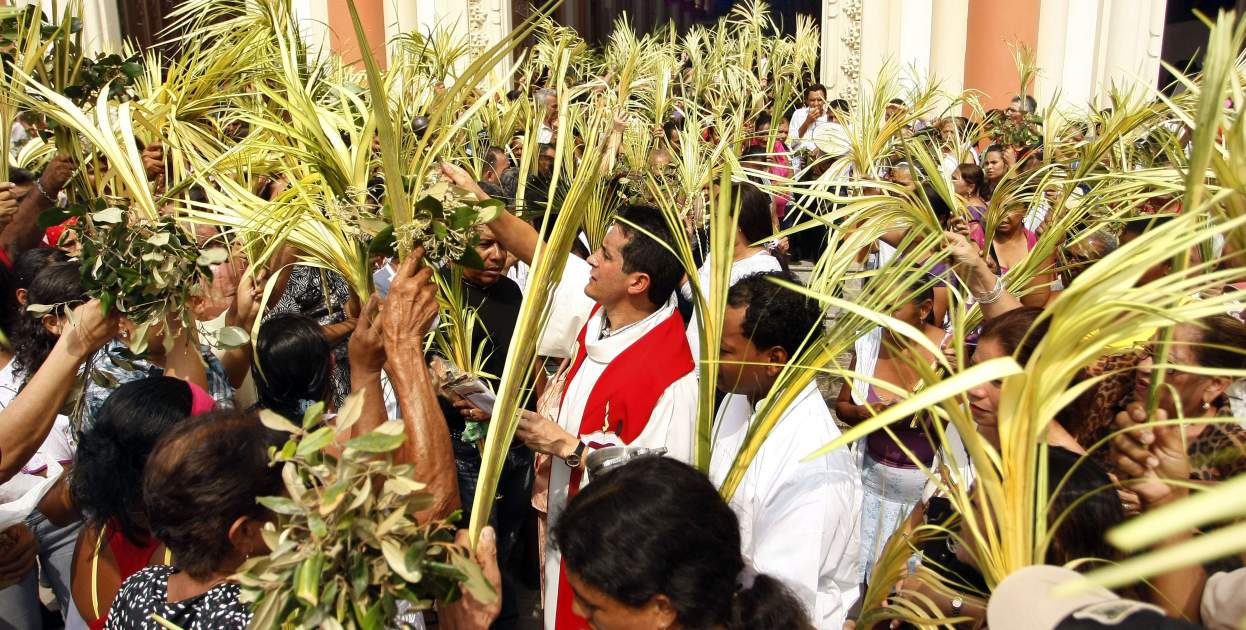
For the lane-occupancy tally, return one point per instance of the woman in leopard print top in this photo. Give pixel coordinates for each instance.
(1217, 447)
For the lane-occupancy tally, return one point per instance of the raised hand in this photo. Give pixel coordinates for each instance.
(411, 305)
(367, 344)
(8, 204)
(18, 551)
(468, 613)
(1150, 456)
(90, 329)
(57, 174)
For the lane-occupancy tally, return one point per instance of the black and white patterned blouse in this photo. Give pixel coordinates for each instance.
(322, 295)
(146, 593)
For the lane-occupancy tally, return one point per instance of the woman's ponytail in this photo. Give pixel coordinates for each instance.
(767, 603)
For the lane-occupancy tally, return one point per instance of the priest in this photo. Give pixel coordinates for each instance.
(628, 375)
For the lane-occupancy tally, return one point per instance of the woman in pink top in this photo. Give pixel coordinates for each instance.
(1009, 246)
(780, 165)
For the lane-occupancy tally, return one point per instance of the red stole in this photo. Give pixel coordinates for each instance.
(627, 390)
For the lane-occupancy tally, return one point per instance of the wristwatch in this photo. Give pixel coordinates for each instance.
(958, 602)
(573, 460)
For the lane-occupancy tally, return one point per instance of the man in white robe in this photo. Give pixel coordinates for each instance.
(799, 521)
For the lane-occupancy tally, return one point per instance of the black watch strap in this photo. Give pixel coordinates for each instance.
(573, 460)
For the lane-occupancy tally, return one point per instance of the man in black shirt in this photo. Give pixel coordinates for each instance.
(497, 300)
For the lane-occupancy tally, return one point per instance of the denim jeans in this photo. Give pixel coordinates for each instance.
(511, 508)
(19, 604)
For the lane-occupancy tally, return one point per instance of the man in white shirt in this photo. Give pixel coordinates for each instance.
(807, 119)
(547, 105)
(629, 377)
(799, 521)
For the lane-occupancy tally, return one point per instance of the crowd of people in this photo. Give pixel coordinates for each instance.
(132, 481)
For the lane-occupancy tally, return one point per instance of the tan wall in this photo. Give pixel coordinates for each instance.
(993, 26)
(342, 30)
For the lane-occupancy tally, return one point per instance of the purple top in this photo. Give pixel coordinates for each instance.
(887, 451)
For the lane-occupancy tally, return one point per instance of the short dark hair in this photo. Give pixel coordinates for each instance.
(838, 105)
(1223, 343)
(27, 265)
(1138, 226)
(897, 101)
(656, 526)
(203, 474)
(670, 127)
(643, 254)
(755, 216)
(1018, 331)
(816, 87)
(107, 477)
(292, 363)
(774, 315)
(495, 155)
(1081, 494)
(21, 176)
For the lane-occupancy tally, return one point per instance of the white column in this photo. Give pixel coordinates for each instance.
(841, 47)
(949, 34)
(876, 48)
(1133, 44)
(313, 17)
(1053, 37)
(1077, 77)
(912, 22)
(101, 24)
(402, 16)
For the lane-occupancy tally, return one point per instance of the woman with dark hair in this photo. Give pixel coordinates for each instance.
(893, 482)
(25, 268)
(653, 545)
(749, 256)
(293, 364)
(969, 182)
(200, 488)
(1217, 450)
(19, 602)
(1010, 245)
(324, 296)
(105, 486)
(57, 285)
(1016, 333)
(994, 167)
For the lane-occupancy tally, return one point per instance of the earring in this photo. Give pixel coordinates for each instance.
(1206, 405)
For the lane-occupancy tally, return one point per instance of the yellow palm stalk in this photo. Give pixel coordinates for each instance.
(126, 176)
(551, 256)
(28, 49)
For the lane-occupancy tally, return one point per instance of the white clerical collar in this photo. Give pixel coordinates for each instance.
(603, 348)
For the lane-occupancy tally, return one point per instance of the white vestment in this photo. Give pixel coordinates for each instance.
(799, 522)
(671, 424)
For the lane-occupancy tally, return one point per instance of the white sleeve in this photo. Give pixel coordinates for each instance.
(1223, 607)
(793, 127)
(794, 518)
(569, 309)
(672, 425)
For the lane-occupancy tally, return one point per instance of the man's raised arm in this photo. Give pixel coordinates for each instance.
(515, 235)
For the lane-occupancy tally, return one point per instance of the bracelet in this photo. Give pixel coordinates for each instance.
(43, 191)
(996, 293)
